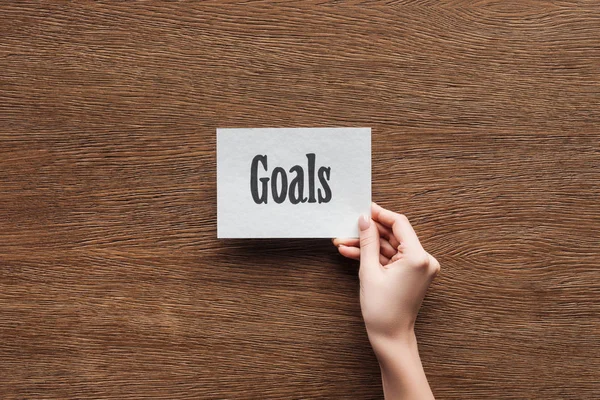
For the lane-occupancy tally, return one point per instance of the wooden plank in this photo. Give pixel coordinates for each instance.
(486, 134)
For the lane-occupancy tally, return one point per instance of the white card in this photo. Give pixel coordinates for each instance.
(292, 182)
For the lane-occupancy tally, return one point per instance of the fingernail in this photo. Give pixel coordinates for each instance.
(364, 222)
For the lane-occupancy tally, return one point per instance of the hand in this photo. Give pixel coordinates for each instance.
(395, 272)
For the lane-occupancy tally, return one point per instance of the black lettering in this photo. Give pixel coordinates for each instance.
(254, 180)
(325, 184)
(297, 186)
(311, 177)
(279, 197)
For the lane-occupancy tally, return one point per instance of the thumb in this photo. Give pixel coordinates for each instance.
(369, 242)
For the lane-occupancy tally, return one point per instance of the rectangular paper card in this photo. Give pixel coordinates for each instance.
(292, 182)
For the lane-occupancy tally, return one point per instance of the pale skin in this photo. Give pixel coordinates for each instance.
(395, 272)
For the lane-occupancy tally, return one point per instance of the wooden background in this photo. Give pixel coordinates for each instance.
(486, 133)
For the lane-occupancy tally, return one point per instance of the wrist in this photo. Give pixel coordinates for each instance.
(401, 369)
(392, 345)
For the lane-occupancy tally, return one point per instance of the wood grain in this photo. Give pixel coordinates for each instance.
(485, 120)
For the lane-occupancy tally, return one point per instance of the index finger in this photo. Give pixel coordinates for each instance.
(401, 227)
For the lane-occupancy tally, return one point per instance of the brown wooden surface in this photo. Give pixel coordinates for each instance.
(486, 132)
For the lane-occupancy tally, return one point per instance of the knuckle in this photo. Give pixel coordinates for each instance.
(424, 261)
(434, 265)
(420, 261)
(402, 218)
(368, 241)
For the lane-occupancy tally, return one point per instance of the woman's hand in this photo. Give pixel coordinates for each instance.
(395, 272)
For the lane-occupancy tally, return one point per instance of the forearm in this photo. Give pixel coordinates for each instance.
(402, 373)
